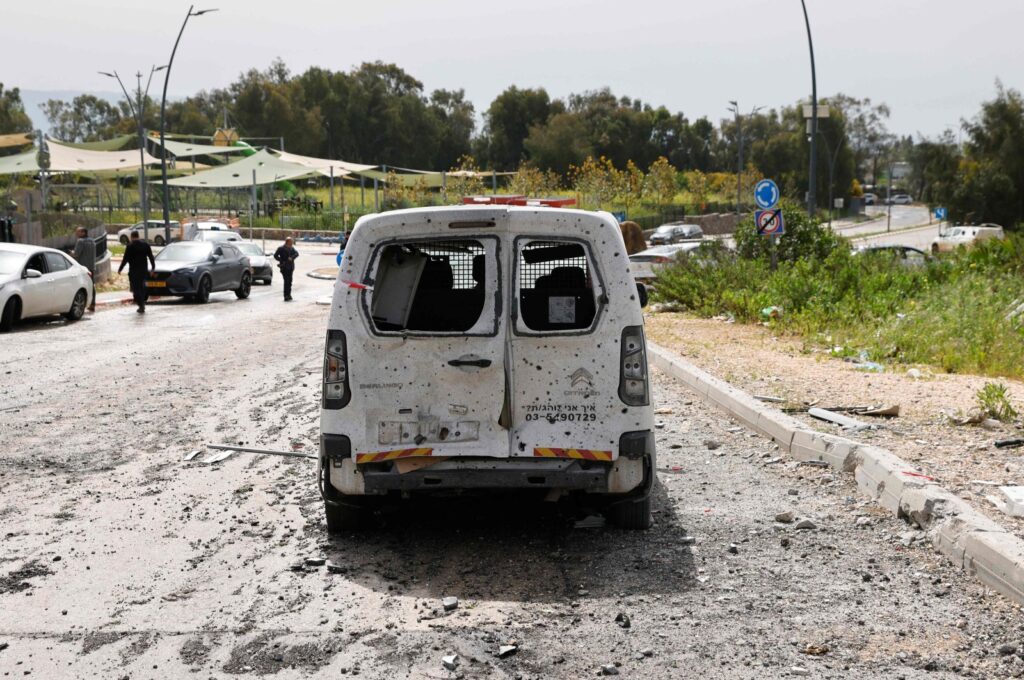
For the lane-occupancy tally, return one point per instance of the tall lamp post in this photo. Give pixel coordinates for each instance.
(811, 180)
(163, 110)
(735, 108)
(138, 109)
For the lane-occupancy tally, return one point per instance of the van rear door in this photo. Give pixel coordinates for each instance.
(428, 373)
(567, 339)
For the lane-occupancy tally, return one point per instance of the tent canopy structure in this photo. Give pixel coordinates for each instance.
(64, 158)
(268, 167)
(18, 163)
(116, 144)
(322, 165)
(15, 139)
(188, 150)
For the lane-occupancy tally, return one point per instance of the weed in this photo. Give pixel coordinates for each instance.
(995, 402)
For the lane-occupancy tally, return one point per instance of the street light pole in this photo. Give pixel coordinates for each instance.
(811, 180)
(735, 108)
(163, 111)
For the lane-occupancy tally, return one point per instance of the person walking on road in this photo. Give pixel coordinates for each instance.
(285, 256)
(85, 255)
(139, 258)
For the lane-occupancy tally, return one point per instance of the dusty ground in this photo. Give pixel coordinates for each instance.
(119, 559)
(960, 457)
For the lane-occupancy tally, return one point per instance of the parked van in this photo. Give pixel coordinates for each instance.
(486, 347)
(966, 236)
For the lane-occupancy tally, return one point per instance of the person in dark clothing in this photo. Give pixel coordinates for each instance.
(285, 256)
(139, 258)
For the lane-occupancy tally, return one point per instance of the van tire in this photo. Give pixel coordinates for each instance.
(341, 518)
(631, 514)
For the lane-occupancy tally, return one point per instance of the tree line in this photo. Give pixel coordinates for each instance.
(378, 113)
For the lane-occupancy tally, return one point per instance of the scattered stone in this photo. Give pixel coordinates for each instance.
(335, 568)
(784, 542)
(315, 561)
(816, 650)
(711, 444)
(688, 540)
(863, 521)
(734, 549)
(806, 524)
(506, 651)
(450, 662)
(1007, 648)
(793, 492)
(297, 566)
(4, 645)
(56, 558)
(914, 373)
(623, 620)
(450, 604)
(647, 652)
(609, 669)
(799, 670)
(663, 411)
(786, 517)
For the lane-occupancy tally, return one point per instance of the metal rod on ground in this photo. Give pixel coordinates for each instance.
(264, 452)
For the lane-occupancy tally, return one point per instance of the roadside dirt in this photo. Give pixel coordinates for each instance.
(962, 458)
(120, 559)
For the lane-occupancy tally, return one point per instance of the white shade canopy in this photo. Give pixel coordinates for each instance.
(65, 158)
(268, 168)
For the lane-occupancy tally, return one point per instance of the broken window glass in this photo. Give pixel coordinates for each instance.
(431, 286)
(556, 287)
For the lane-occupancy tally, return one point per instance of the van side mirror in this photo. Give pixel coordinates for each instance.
(32, 274)
(641, 293)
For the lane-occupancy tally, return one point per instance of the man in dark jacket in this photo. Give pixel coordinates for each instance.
(139, 258)
(285, 256)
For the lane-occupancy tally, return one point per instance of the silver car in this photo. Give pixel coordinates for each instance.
(261, 263)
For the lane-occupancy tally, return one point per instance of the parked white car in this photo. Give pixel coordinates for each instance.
(157, 233)
(966, 236)
(645, 264)
(37, 281)
(262, 264)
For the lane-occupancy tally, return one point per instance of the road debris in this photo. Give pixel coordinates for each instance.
(769, 399)
(450, 662)
(1009, 443)
(623, 620)
(734, 549)
(506, 651)
(815, 650)
(786, 517)
(711, 444)
(609, 669)
(219, 457)
(847, 423)
(806, 524)
(192, 454)
(450, 604)
(1012, 500)
(262, 452)
(315, 561)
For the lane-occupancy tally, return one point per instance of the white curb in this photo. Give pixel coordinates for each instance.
(972, 541)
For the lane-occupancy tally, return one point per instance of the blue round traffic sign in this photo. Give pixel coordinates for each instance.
(766, 194)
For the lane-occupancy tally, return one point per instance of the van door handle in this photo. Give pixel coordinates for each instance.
(479, 363)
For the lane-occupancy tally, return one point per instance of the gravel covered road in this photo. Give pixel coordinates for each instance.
(119, 559)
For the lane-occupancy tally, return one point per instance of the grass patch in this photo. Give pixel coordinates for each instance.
(956, 313)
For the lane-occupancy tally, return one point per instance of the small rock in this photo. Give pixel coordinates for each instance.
(688, 540)
(784, 542)
(793, 492)
(335, 568)
(663, 411)
(991, 424)
(914, 373)
(315, 561)
(505, 651)
(863, 521)
(56, 558)
(734, 549)
(297, 566)
(799, 670)
(450, 661)
(4, 645)
(1007, 648)
(806, 524)
(647, 652)
(609, 669)
(712, 445)
(450, 604)
(623, 620)
(786, 517)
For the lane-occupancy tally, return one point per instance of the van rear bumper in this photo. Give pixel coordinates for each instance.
(570, 475)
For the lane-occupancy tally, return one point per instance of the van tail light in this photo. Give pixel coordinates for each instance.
(633, 383)
(336, 386)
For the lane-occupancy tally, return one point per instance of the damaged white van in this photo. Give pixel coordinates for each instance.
(486, 347)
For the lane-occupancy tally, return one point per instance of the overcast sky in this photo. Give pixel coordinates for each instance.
(932, 61)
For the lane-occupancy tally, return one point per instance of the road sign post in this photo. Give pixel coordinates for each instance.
(766, 194)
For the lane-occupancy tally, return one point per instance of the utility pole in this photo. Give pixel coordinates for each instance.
(735, 108)
(811, 180)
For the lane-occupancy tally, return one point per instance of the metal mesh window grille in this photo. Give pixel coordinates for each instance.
(456, 254)
(557, 264)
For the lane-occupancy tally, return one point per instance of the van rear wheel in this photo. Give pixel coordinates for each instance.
(631, 514)
(342, 518)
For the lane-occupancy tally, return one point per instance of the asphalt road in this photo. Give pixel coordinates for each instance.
(120, 559)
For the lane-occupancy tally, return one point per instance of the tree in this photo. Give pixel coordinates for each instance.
(662, 182)
(804, 239)
(596, 180)
(13, 118)
(933, 168)
(510, 119)
(463, 180)
(531, 181)
(984, 192)
(455, 118)
(629, 185)
(86, 118)
(997, 144)
(559, 145)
